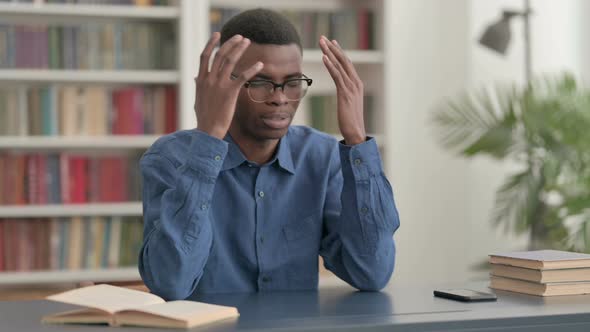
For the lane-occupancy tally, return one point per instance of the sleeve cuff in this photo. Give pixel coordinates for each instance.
(363, 158)
(206, 153)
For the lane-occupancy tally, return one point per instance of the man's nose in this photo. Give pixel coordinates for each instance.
(278, 97)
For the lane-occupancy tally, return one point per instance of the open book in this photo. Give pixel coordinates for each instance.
(106, 304)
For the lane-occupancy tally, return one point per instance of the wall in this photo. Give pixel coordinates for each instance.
(427, 61)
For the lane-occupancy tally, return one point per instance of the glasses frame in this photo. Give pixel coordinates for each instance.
(275, 86)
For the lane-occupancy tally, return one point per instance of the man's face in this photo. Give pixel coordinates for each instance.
(269, 119)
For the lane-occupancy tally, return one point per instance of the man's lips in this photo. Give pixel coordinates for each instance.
(279, 120)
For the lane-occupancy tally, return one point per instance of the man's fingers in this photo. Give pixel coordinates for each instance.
(206, 54)
(221, 54)
(335, 73)
(349, 66)
(232, 58)
(333, 59)
(341, 58)
(249, 73)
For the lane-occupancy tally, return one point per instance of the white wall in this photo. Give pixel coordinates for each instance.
(445, 201)
(581, 17)
(428, 61)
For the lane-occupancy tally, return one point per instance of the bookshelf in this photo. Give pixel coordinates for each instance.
(82, 142)
(26, 217)
(90, 76)
(72, 210)
(73, 12)
(192, 30)
(68, 277)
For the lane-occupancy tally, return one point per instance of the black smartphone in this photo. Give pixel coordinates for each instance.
(465, 295)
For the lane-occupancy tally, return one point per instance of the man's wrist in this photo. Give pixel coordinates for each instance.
(220, 134)
(354, 140)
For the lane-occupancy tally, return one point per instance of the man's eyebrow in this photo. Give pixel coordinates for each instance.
(294, 75)
(266, 77)
(262, 76)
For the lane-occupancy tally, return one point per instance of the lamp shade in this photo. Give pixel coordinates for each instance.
(497, 36)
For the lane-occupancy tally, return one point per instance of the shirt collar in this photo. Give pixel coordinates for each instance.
(235, 157)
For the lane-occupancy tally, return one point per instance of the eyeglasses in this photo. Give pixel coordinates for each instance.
(261, 90)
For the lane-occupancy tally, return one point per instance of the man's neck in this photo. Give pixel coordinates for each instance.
(258, 151)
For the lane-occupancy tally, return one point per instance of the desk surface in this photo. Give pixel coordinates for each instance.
(397, 308)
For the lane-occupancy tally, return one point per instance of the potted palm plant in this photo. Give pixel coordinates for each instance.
(544, 129)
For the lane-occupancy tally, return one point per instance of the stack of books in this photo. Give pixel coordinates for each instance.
(541, 272)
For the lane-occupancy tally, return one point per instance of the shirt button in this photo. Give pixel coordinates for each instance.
(261, 194)
(218, 157)
(204, 207)
(266, 279)
(357, 161)
(364, 210)
(261, 240)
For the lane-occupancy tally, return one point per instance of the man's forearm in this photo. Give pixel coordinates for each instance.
(364, 252)
(178, 233)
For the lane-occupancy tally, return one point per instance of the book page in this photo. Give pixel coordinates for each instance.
(106, 297)
(83, 316)
(187, 311)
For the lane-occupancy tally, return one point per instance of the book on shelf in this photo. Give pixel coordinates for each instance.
(541, 276)
(89, 46)
(352, 27)
(542, 259)
(540, 289)
(101, 2)
(68, 178)
(69, 243)
(68, 110)
(118, 306)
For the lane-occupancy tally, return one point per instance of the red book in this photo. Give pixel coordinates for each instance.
(32, 180)
(78, 179)
(170, 110)
(2, 245)
(10, 245)
(363, 29)
(128, 112)
(94, 181)
(137, 112)
(43, 179)
(19, 173)
(119, 184)
(105, 176)
(3, 184)
(64, 170)
(9, 179)
(118, 113)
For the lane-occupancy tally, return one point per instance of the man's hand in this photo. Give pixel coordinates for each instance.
(349, 92)
(216, 93)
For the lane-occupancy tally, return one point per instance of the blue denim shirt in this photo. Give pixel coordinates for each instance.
(216, 222)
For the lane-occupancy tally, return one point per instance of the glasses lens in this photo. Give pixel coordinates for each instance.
(295, 89)
(260, 91)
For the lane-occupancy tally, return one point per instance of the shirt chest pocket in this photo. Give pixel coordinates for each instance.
(303, 234)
